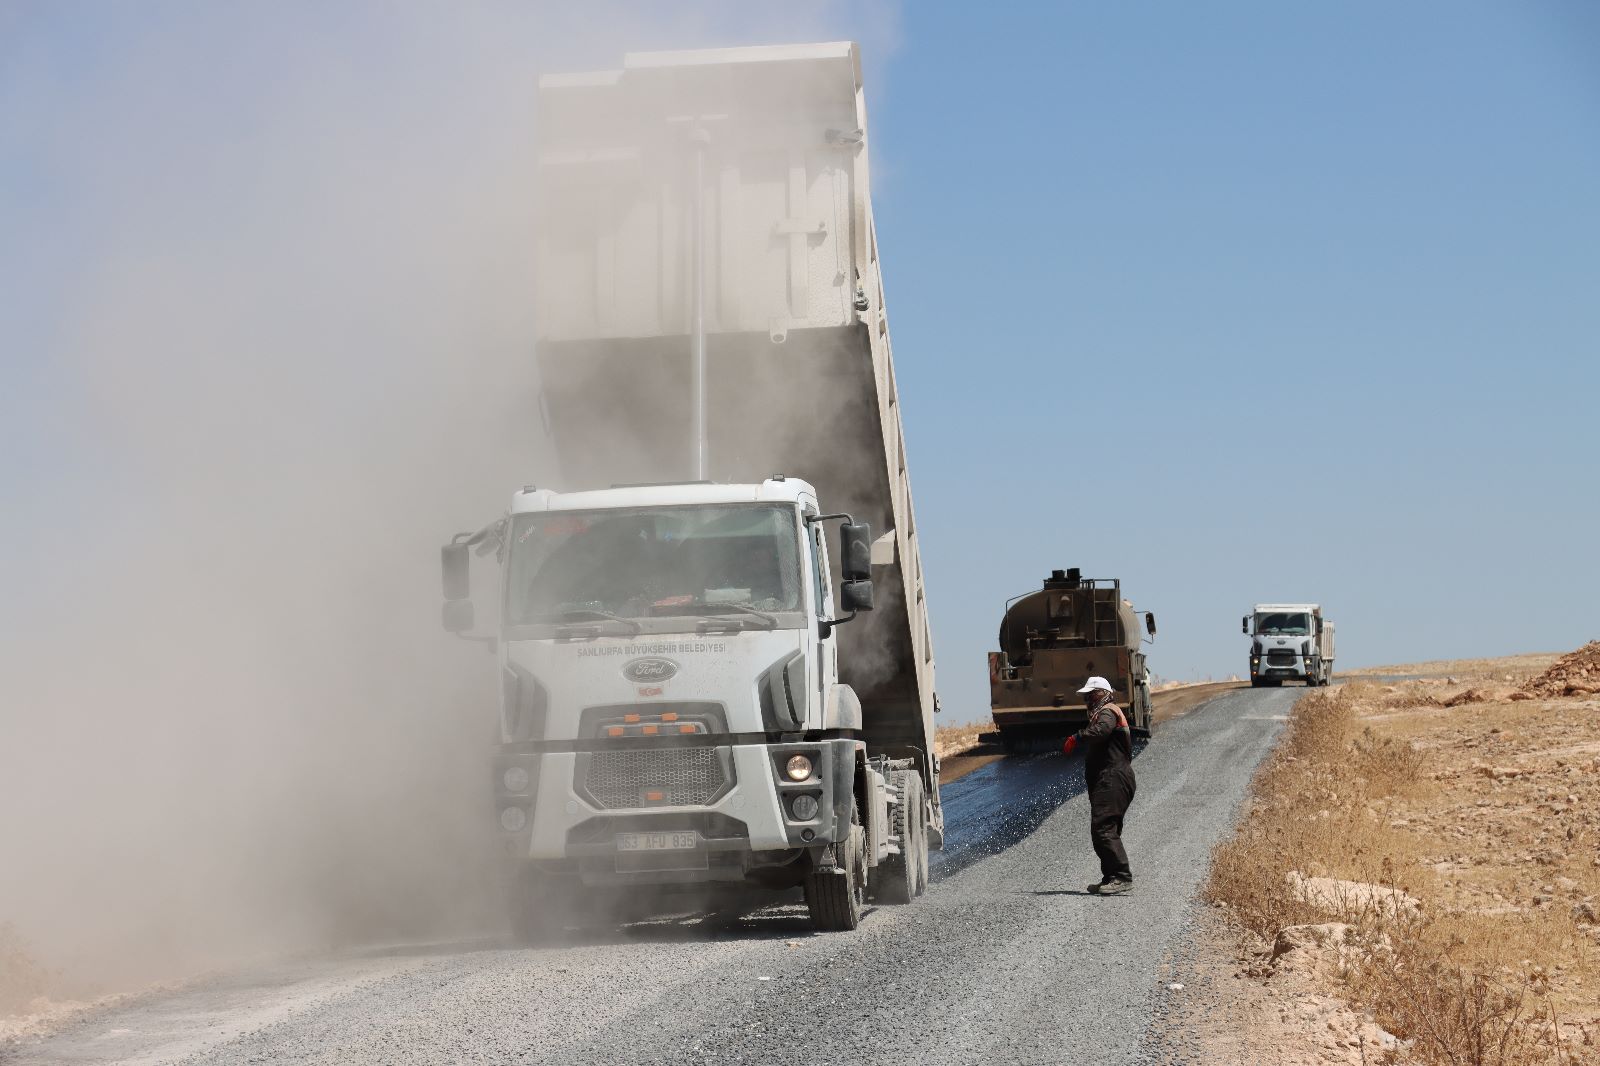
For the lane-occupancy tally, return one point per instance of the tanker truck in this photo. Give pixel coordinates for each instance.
(1289, 642)
(1053, 640)
(714, 632)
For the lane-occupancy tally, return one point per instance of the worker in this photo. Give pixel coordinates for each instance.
(1108, 774)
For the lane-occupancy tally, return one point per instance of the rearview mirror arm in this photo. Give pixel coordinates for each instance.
(825, 626)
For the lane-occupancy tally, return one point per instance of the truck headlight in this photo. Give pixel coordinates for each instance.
(515, 779)
(798, 768)
(803, 807)
(512, 819)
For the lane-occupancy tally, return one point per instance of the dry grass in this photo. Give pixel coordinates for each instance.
(951, 740)
(1375, 784)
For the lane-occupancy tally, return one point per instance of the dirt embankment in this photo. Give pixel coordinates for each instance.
(1417, 877)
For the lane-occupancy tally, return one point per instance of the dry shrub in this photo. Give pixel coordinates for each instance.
(1453, 1013)
(1392, 765)
(1442, 982)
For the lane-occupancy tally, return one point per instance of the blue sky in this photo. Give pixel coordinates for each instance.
(1235, 302)
(1250, 302)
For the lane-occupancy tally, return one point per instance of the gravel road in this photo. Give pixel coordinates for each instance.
(1006, 959)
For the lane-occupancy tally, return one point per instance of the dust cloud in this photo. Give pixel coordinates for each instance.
(281, 351)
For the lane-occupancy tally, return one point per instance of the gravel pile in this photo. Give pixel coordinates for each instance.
(1574, 674)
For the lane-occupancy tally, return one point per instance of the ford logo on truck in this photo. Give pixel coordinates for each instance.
(649, 671)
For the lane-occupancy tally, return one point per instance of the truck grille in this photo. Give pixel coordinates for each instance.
(1280, 657)
(685, 777)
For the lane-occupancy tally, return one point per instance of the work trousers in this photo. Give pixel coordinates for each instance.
(1109, 797)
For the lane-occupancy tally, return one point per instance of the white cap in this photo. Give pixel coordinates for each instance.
(1094, 683)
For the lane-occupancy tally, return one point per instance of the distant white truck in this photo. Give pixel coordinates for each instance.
(1289, 642)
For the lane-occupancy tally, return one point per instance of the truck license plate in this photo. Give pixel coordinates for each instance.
(658, 841)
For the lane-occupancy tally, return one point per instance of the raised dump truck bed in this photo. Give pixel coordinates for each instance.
(705, 219)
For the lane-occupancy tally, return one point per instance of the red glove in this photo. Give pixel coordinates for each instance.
(1067, 748)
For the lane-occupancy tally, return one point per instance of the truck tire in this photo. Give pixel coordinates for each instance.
(921, 851)
(1144, 718)
(896, 881)
(834, 893)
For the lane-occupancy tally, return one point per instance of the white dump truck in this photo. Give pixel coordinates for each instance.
(1289, 642)
(714, 638)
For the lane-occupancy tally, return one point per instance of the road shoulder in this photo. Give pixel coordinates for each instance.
(1416, 859)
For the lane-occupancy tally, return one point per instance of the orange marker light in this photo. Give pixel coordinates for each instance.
(630, 718)
(615, 731)
(686, 729)
(655, 797)
(670, 716)
(651, 730)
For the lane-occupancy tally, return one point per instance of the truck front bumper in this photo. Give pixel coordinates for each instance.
(1270, 666)
(744, 815)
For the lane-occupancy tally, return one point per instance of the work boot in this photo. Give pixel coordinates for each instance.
(1114, 887)
(1094, 889)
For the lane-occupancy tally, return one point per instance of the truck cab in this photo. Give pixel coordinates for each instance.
(1289, 642)
(672, 713)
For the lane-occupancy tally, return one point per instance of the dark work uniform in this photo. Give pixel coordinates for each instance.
(1108, 772)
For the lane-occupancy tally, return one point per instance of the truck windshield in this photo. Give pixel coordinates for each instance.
(1283, 625)
(653, 563)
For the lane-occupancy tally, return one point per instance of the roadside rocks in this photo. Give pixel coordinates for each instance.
(1301, 947)
(1502, 773)
(1352, 898)
(1574, 674)
(1479, 694)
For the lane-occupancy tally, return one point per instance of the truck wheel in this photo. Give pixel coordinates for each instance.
(921, 851)
(897, 881)
(919, 831)
(834, 893)
(1144, 724)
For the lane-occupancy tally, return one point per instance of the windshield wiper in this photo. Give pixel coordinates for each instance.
(633, 625)
(772, 623)
(714, 609)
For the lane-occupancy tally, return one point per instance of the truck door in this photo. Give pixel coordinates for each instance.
(827, 647)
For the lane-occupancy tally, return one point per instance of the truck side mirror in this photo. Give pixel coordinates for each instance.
(856, 595)
(457, 616)
(855, 553)
(453, 566)
(1244, 625)
(1150, 623)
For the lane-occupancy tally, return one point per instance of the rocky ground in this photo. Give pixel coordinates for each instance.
(1487, 865)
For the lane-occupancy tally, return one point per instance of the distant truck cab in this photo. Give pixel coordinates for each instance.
(1289, 642)
(1051, 642)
